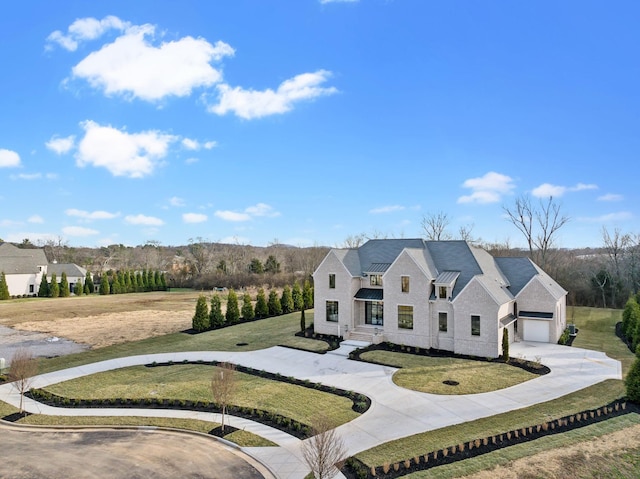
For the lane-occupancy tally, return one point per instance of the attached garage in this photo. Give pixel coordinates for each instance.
(535, 326)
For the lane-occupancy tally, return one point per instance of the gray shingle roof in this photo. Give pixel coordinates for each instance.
(14, 260)
(70, 269)
(454, 256)
(518, 272)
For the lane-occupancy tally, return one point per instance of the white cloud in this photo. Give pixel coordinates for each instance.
(134, 155)
(195, 145)
(209, 145)
(10, 224)
(36, 219)
(191, 161)
(143, 220)
(194, 218)
(9, 159)
(610, 197)
(260, 209)
(79, 231)
(26, 176)
(176, 201)
(386, 209)
(93, 215)
(487, 189)
(132, 66)
(61, 146)
(84, 29)
(250, 104)
(235, 240)
(35, 238)
(546, 190)
(608, 218)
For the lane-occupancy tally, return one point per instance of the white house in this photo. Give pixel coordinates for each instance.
(446, 295)
(23, 268)
(73, 271)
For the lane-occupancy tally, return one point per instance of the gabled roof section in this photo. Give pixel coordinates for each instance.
(518, 271)
(347, 257)
(14, 260)
(385, 250)
(69, 269)
(454, 256)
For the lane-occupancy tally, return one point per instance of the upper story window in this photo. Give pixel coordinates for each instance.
(332, 281)
(375, 280)
(442, 292)
(404, 282)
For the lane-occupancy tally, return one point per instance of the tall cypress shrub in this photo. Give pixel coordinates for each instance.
(4, 287)
(233, 313)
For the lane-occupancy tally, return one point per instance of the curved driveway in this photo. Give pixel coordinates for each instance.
(395, 412)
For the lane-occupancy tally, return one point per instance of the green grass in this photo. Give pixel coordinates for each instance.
(626, 463)
(260, 334)
(426, 374)
(192, 382)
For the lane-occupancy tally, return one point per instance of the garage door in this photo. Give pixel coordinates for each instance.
(535, 330)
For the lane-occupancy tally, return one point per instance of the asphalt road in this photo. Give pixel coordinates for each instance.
(116, 454)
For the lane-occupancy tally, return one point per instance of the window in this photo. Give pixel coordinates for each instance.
(404, 281)
(31, 288)
(442, 292)
(442, 322)
(332, 281)
(332, 311)
(375, 280)
(373, 313)
(405, 317)
(475, 325)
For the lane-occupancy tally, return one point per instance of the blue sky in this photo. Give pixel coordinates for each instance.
(308, 121)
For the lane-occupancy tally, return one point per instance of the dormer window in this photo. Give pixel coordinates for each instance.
(445, 284)
(442, 292)
(375, 280)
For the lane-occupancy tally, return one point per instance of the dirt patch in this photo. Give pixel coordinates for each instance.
(575, 461)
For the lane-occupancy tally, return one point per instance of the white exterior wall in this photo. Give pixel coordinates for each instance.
(475, 300)
(19, 283)
(536, 297)
(346, 288)
(418, 297)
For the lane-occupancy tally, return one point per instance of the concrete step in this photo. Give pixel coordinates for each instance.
(347, 346)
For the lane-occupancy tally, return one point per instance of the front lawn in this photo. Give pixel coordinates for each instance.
(427, 374)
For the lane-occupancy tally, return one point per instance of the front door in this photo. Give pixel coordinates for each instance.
(373, 313)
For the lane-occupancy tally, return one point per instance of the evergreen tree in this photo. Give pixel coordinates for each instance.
(145, 280)
(275, 308)
(78, 288)
(43, 290)
(256, 267)
(88, 283)
(127, 281)
(163, 282)
(135, 283)
(505, 344)
(633, 381)
(65, 292)
(303, 322)
(630, 318)
(233, 313)
(247, 308)
(271, 266)
(216, 318)
(262, 309)
(200, 321)
(54, 288)
(4, 287)
(298, 298)
(307, 294)
(152, 281)
(105, 288)
(286, 300)
(156, 280)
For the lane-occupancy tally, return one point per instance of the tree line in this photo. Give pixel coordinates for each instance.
(209, 315)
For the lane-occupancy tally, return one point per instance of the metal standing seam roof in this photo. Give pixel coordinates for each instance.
(369, 294)
(377, 268)
(447, 277)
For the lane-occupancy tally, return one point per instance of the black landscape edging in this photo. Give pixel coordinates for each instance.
(355, 469)
(529, 366)
(360, 402)
(623, 338)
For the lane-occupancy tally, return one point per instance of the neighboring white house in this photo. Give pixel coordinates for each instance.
(23, 268)
(446, 295)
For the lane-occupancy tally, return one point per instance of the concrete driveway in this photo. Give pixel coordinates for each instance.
(395, 412)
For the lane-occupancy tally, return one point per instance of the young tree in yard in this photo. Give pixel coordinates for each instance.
(152, 280)
(275, 308)
(325, 450)
(298, 299)
(105, 288)
(78, 288)
(307, 294)
(216, 318)
(286, 300)
(22, 371)
(271, 266)
(88, 283)
(54, 288)
(232, 314)
(4, 287)
(65, 292)
(505, 344)
(262, 308)
(247, 308)
(200, 321)
(633, 380)
(303, 321)
(43, 290)
(630, 319)
(163, 282)
(223, 387)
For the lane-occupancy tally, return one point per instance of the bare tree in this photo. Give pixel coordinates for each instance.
(22, 370)
(435, 226)
(223, 387)
(354, 241)
(539, 225)
(616, 245)
(325, 450)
